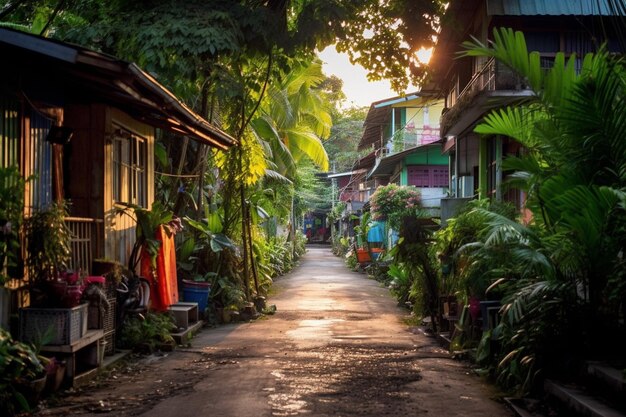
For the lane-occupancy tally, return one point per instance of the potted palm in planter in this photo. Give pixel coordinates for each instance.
(55, 293)
(361, 231)
(48, 245)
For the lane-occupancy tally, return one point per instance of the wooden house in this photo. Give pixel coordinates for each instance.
(49, 91)
(403, 133)
(473, 86)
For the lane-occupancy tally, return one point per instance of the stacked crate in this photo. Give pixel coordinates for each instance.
(103, 317)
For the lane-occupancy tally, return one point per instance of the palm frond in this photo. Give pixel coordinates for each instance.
(277, 176)
(305, 143)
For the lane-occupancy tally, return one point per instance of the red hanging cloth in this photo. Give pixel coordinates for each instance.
(163, 283)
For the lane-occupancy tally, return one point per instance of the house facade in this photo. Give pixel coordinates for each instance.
(403, 133)
(473, 86)
(402, 146)
(84, 124)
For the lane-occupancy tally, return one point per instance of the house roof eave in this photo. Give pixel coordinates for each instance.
(79, 72)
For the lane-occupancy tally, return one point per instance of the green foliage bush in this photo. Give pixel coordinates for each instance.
(11, 218)
(351, 260)
(560, 277)
(145, 334)
(19, 364)
(466, 273)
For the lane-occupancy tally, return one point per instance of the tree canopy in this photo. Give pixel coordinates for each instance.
(165, 35)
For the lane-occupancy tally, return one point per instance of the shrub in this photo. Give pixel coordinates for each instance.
(393, 202)
(146, 334)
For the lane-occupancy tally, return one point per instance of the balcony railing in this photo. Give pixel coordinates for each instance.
(485, 79)
(86, 243)
(407, 139)
(492, 76)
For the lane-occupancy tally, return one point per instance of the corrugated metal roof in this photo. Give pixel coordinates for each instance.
(73, 71)
(549, 8)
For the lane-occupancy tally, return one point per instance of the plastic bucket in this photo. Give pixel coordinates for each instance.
(376, 253)
(197, 292)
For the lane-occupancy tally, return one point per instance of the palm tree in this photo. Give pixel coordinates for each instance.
(574, 171)
(294, 119)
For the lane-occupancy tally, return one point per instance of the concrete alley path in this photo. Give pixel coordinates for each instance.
(337, 346)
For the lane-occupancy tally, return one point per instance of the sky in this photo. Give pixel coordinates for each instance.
(358, 90)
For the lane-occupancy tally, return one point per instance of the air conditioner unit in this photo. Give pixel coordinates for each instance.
(466, 186)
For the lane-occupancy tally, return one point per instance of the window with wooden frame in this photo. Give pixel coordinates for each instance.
(428, 176)
(129, 168)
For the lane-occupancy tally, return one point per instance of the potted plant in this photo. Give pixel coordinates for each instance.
(22, 376)
(49, 251)
(148, 224)
(12, 186)
(361, 231)
(55, 292)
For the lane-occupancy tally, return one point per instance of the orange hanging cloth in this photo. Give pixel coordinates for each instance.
(163, 284)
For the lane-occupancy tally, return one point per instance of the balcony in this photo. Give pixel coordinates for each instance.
(408, 139)
(493, 80)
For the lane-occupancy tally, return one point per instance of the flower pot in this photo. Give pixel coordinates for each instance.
(259, 303)
(363, 255)
(474, 308)
(32, 389)
(103, 267)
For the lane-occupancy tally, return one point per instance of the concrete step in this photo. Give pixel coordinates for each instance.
(183, 337)
(579, 402)
(525, 407)
(610, 378)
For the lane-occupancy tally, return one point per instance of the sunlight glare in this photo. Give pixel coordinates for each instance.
(423, 55)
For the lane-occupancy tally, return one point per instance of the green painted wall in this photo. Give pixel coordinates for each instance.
(428, 156)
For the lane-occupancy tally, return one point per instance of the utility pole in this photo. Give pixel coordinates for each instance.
(333, 186)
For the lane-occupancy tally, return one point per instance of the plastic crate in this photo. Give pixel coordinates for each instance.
(104, 320)
(53, 326)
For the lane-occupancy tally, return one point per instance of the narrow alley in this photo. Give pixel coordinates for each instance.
(337, 345)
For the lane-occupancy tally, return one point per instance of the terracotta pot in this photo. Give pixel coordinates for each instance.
(363, 255)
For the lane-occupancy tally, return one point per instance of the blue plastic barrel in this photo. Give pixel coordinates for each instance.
(197, 292)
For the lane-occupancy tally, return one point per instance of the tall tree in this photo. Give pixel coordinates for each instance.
(344, 138)
(293, 119)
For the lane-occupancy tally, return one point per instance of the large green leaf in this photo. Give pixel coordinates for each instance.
(220, 242)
